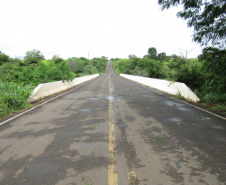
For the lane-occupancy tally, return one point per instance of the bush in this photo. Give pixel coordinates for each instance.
(51, 72)
(10, 72)
(13, 97)
(82, 66)
(3, 58)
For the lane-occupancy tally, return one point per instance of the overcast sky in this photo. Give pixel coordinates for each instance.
(74, 28)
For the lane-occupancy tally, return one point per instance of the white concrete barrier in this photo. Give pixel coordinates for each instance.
(166, 86)
(46, 89)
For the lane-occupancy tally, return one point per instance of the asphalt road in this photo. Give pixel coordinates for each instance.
(113, 131)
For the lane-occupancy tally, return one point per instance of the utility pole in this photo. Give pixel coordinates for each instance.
(88, 55)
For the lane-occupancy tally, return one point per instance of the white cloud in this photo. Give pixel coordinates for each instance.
(113, 28)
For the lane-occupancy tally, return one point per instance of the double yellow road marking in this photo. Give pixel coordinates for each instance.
(112, 175)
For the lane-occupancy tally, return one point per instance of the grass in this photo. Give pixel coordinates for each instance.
(219, 107)
(95, 125)
(87, 181)
(13, 97)
(160, 140)
(215, 102)
(204, 118)
(178, 96)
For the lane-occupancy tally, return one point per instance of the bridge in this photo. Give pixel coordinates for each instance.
(113, 131)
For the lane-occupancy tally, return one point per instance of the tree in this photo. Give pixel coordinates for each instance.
(207, 17)
(33, 57)
(134, 60)
(162, 56)
(152, 52)
(83, 58)
(214, 61)
(14, 60)
(57, 59)
(3, 58)
(132, 56)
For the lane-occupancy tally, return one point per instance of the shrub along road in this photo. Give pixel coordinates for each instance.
(113, 131)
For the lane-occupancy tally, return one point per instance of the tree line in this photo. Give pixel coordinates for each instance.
(19, 77)
(34, 69)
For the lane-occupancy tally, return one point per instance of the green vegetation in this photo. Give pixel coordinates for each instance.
(13, 97)
(82, 66)
(160, 140)
(205, 75)
(19, 77)
(95, 125)
(178, 96)
(206, 17)
(87, 181)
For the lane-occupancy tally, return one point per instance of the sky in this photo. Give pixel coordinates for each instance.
(92, 28)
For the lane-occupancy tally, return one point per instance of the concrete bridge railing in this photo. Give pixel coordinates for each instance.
(46, 89)
(165, 86)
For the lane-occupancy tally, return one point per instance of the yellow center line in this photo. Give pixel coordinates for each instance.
(112, 175)
(132, 176)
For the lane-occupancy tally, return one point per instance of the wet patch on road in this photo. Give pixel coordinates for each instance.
(33, 123)
(177, 105)
(177, 164)
(175, 119)
(122, 125)
(112, 98)
(93, 99)
(172, 103)
(108, 98)
(136, 160)
(217, 127)
(86, 110)
(130, 118)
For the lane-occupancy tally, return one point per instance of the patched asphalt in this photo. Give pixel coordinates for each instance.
(157, 139)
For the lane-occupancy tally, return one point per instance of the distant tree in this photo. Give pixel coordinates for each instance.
(152, 53)
(3, 58)
(14, 60)
(134, 60)
(76, 65)
(146, 56)
(33, 57)
(83, 58)
(176, 62)
(104, 57)
(132, 56)
(207, 17)
(57, 59)
(162, 56)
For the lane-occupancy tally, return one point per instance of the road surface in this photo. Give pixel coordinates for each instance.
(113, 131)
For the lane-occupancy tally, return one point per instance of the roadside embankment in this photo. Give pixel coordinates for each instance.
(169, 87)
(46, 89)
